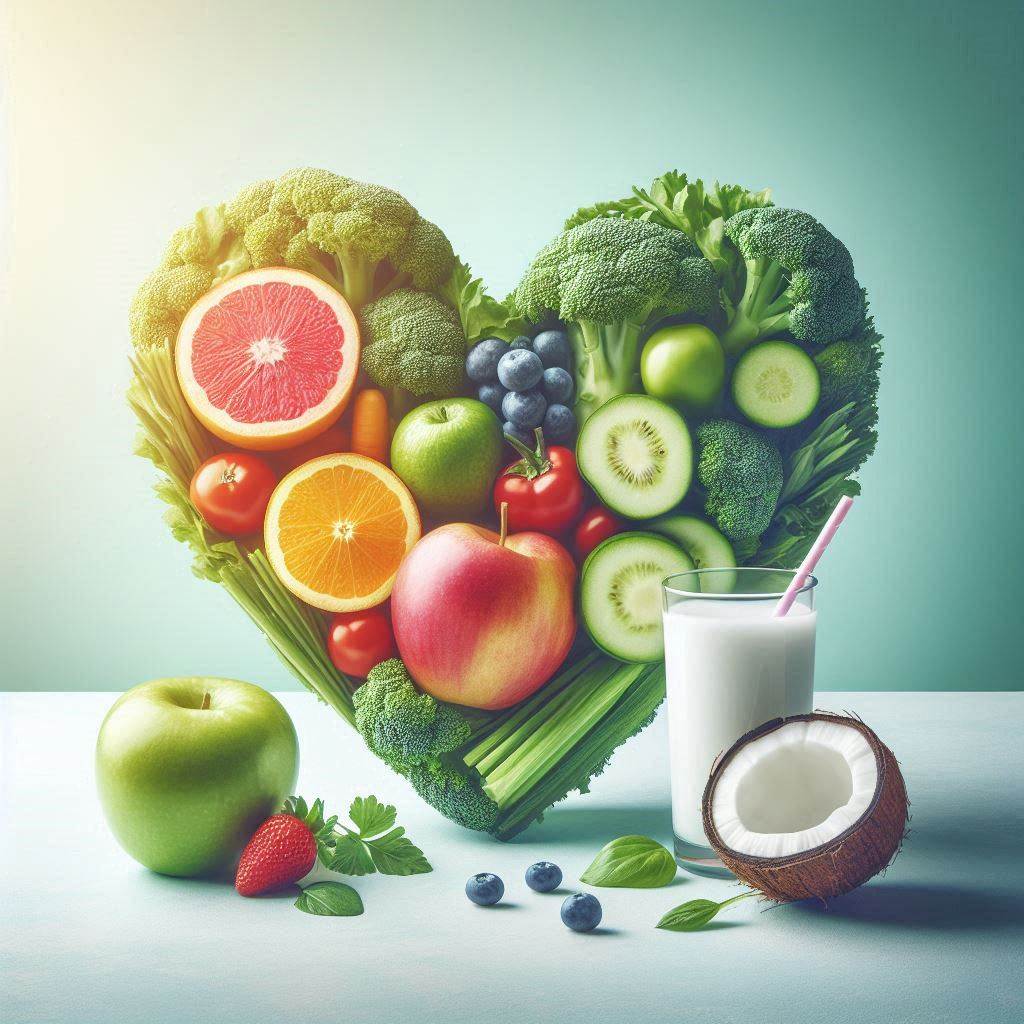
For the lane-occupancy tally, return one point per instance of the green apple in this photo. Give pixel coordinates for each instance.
(448, 453)
(684, 365)
(188, 769)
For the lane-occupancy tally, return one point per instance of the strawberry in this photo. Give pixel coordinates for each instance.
(284, 848)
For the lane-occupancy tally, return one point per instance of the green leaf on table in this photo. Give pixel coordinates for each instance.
(330, 899)
(631, 862)
(370, 816)
(694, 914)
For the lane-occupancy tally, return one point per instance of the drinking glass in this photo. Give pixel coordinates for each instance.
(730, 666)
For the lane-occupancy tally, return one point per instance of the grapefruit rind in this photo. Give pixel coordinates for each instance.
(269, 435)
(278, 558)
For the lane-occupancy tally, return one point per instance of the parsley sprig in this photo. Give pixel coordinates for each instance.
(372, 844)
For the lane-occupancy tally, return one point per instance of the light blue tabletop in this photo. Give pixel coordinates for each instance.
(88, 936)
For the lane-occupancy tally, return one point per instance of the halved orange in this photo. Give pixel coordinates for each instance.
(337, 529)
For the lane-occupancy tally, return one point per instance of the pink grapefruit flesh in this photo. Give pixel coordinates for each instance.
(268, 359)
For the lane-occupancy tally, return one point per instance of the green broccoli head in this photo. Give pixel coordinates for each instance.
(799, 278)
(849, 371)
(414, 733)
(401, 725)
(741, 473)
(610, 270)
(455, 794)
(362, 239)
(414, 342)
(610, 279)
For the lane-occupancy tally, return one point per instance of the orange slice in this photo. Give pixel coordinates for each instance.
(337, 529)
(268, 359)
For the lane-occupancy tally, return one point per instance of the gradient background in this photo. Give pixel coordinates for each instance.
(896, 124)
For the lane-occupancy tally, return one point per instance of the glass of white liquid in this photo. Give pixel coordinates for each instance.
(730, 666)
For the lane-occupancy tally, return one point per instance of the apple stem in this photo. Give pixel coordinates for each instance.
(206, 702)
(503, 530)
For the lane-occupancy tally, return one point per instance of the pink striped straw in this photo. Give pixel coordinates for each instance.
(828, 531)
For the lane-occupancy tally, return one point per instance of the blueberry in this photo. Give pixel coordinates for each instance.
(553, 349)
(486, 889)
(492, 394)
(524, 408)
(543, 876)
(581, 912)
(520, 434)
(520, 370)
(559, 423)
(557, 385)
(522, 341)
(482, 360)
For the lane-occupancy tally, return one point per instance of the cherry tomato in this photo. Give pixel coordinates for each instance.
(543, 489)
(231, 492)
(596, 525)
(356, 641)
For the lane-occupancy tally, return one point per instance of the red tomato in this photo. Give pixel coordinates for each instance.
(231, 492)
(596, 525)
(543, 490)
(356, 641)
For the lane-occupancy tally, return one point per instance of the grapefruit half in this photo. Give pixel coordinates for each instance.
(268, 359)
(337, 529)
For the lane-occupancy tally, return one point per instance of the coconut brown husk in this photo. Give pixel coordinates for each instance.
(842, 864)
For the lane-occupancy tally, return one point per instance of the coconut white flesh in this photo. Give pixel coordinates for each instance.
(794, 789)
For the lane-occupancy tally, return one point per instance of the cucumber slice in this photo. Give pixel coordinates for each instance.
(620, 593)
(637, 455)
(708, 548)
(776, 384)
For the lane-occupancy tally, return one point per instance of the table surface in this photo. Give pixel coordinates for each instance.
(86, 935)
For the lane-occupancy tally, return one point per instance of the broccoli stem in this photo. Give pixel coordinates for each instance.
(607, 362)
(762, 309)
(356, 275)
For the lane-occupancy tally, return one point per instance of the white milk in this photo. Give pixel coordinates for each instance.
(729, 666)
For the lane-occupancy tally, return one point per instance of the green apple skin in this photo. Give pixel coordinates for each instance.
(684, 365)
(184, 787)
(448, 453)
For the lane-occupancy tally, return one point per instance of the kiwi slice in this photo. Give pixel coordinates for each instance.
(636, 453)
(708, 548)
(620, 593)
(776, 384)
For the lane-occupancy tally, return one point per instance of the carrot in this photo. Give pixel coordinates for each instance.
(370, 425)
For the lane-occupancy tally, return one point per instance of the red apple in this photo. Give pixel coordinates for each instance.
(483, 620)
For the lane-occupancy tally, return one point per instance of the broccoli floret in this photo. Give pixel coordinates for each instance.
(401, 725)
(849, 371)
(364, 240)
(455, 794)
(741, 473)
(608, 280)
(414, 733)
(799, 278)
(413, 343)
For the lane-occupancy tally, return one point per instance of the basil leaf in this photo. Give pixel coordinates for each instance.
(393, 854)
(631, 862)
(330, 899)
(370, 816)
(690, 916)
(350, 856)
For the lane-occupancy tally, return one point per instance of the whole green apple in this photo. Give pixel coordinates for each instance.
(448, 453)
(684, 365)
(187, 770)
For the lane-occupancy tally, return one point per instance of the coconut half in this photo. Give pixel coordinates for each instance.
(809, 806)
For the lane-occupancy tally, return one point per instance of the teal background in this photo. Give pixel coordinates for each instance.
(896, 124)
